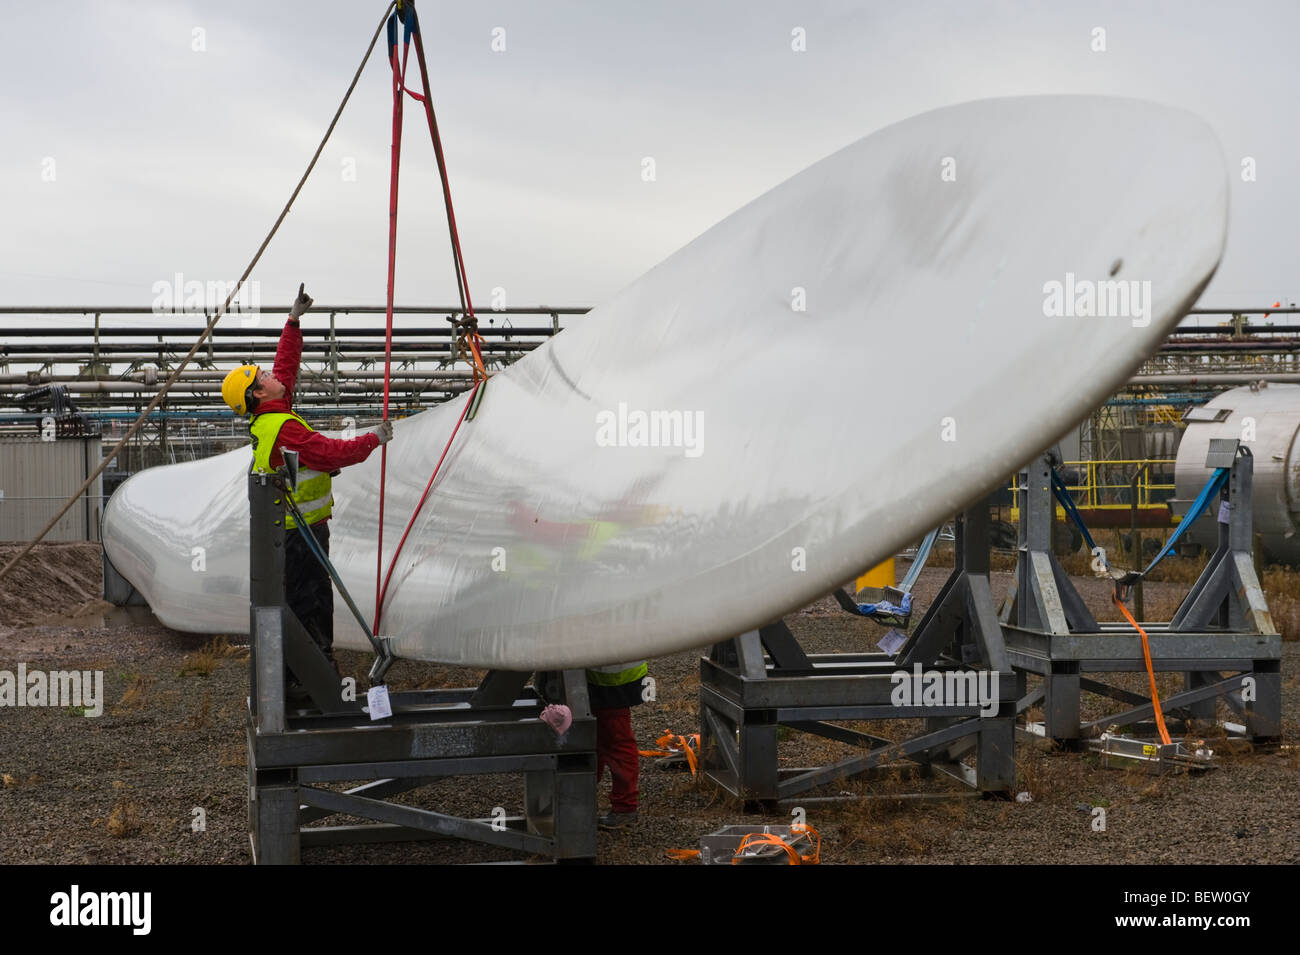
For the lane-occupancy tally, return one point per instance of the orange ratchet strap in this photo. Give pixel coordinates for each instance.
(1151, 673)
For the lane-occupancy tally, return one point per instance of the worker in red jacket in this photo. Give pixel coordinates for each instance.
(613, 690)
(274, 428)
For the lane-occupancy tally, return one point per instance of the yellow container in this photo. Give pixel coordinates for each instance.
(880, 576)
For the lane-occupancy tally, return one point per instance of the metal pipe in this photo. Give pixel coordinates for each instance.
(220, 415)
(321, 309)
(75, 357)
(1282, 310)
(243, 348)
(214, 388)
(42, 378)
(181, 331)
(1229, 331)
(1178, 398)
(1212, 381)
(200, 376)
(1258, 346)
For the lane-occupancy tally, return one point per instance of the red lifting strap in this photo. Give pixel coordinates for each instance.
(412, 28)
(459, 259)
(398, 72)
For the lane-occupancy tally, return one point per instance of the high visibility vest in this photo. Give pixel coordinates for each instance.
(313, 495)
(618, 684)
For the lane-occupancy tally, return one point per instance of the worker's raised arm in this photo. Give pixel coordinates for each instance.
(288, 354)
(321, 453)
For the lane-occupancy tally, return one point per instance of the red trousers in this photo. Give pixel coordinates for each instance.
(616, 748)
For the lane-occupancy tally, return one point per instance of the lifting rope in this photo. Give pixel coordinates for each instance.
(212, 323)
(392, 267)
(466, 326)
(468, 342)
(469, 321)
(383, 591)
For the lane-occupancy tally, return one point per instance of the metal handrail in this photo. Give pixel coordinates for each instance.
(1091, 493)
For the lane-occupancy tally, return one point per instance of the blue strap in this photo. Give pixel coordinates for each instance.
(1217, 480)
(408, 22)
(897, 613)
(1214, 485)
(392, 36)
(885, 609)
(918, 563)
(1063, 495)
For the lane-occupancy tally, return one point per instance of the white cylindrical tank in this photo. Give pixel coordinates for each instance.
(1266, 419)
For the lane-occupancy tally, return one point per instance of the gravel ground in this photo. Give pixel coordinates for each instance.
(125, 787)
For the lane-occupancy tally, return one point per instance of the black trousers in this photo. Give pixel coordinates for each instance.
(307, 586)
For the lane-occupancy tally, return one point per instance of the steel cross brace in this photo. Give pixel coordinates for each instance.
(743, 701)
(1178, 701)
(1051, 633)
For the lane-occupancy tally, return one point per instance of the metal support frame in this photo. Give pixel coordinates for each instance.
(295, 755)
(746, 697)
(1222, 637)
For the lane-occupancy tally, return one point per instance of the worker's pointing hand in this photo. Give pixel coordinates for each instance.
(301, 303)
(384, 432)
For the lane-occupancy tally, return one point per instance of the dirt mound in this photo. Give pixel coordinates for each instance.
(54, 580)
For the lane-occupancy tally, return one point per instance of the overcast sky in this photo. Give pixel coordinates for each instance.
(170, 159)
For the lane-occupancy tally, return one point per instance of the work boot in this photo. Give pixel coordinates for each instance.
(617, 820)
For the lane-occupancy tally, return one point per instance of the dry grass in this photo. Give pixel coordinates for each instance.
(124, 819)
(1079, 564)
(1282, 590)
(887, 828)
(433, 676)
(1029, 772)
(1227, 749)
(717, 796)
(944, 555)
(1154, 785)
(875, 812)
(211, 655)
(233, 755)
(201, 717)
(135, 696)
(1291, 752)
(1178, 570)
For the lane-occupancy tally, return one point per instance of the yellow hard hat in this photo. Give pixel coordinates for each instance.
(236, 384)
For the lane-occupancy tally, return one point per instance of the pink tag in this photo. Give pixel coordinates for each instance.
(558, 717)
